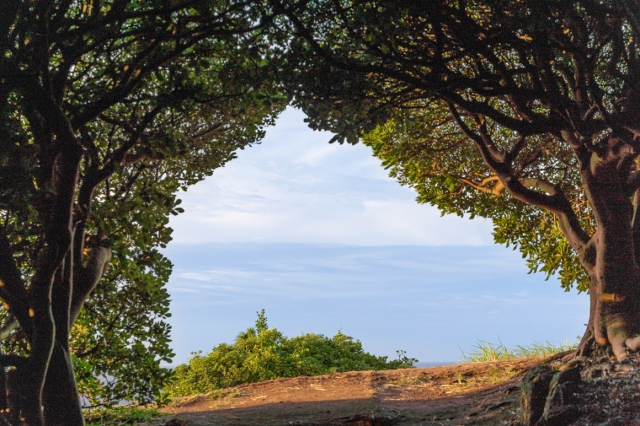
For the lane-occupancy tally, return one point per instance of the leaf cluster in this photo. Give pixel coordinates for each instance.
(425, 150)
(263, 353)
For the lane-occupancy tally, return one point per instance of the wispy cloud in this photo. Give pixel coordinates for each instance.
(315, 155)
(390, 297)
(295, 187)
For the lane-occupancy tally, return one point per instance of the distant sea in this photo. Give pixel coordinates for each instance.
(433, 364)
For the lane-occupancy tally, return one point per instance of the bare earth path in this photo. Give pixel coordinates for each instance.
(470, 394)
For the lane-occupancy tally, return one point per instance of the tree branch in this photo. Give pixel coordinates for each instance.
(429, 81)
(554, 200)
(88, 277)
(497, 190)
(13, 290)
(9, 360)
(8, 328)
(569, 223)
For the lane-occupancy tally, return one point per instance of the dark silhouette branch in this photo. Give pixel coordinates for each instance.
(551, 199)
(13, 290)
(10, 360)
(88, 277)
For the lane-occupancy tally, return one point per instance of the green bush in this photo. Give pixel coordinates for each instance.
(118, 416)
(263, 353)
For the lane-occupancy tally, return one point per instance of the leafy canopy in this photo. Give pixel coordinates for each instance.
(489, 108)
(450, 174)
(107, 110)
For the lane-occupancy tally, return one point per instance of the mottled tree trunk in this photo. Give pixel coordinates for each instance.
(61, 399)
(13, 396)
(587, 342)
(614, 276)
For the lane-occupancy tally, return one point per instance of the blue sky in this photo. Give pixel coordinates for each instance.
(321, 237)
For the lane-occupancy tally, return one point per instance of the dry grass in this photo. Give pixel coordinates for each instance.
(486, 351)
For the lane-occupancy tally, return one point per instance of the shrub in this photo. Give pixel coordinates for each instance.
(263, 353)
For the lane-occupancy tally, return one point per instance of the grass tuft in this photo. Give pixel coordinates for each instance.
(486, 351)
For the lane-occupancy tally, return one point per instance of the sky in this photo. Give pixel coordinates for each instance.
(320, 237)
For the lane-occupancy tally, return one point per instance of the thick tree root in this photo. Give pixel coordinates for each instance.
(617, 335)
(633, 343)
(614, 333)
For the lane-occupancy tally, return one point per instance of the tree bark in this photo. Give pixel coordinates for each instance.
(61, 399)
(615, 293)
(51, 286)
(588, 338)
(60, 396)
(13, 396)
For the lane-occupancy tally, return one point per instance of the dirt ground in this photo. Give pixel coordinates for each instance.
(470, 394)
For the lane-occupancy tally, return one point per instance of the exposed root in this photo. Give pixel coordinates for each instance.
(616, 341)
(619, 348)
(587, 344)
(633, 343)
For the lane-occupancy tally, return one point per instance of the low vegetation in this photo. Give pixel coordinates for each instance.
(486, 351)
(119, 416)
(263, 353)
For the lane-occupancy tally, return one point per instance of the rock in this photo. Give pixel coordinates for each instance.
(562, 417)
(535, 388)
(175, 422)
(559, 408)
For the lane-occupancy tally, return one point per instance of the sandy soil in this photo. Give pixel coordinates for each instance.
(470, 394)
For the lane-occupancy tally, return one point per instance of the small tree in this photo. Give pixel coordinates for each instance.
(537, 100)
(107, 108)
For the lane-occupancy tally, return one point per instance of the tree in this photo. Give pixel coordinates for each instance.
(535, 99)
(121, 335)
(107, 108)
(449, 174)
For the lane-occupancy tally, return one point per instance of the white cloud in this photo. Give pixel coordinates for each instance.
(295, 187)
(314, 156)
(196, 276)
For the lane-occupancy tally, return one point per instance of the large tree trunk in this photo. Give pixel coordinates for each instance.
(587, 342)
(13, 396)
(61, 399)
(614, 278)
(34, 373)
(48, 365)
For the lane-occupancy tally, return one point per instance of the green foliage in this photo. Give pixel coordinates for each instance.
(448, 172)
(263, 353)
(122, 331)
(486, 351)
(157, 96)
(118, 416)
(459, 98)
